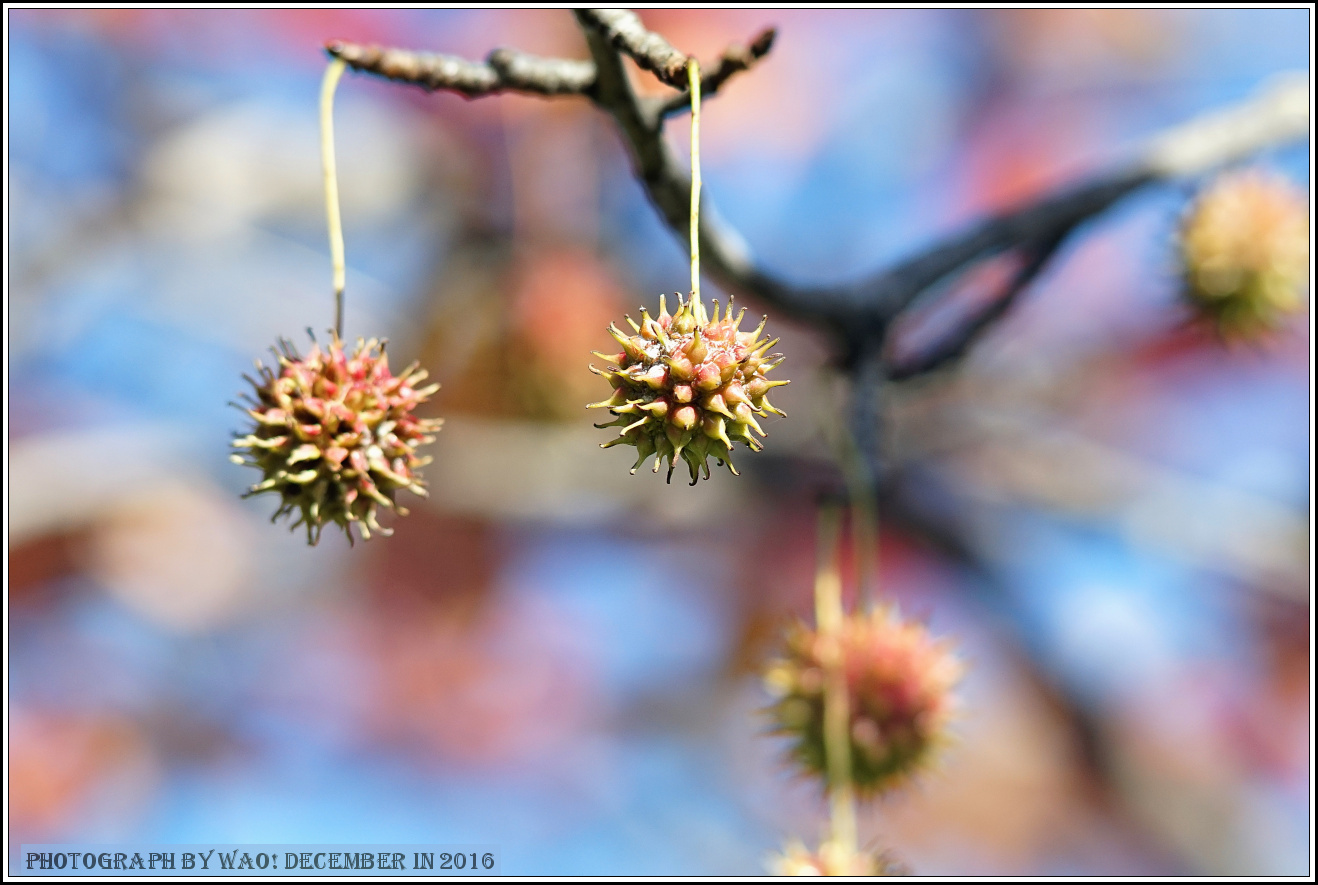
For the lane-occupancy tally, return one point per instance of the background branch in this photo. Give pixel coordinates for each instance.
(958, 341)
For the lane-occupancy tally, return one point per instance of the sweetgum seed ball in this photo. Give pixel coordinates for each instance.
(335, 436)
(899, 683)
(688, 387)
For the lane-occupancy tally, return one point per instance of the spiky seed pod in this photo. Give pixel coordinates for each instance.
(1245, 252)
(899, 688)
(335, 435)
(687, 386)
(833, 859)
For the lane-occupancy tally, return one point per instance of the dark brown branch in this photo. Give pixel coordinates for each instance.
(957, 343)
(858, 314)
(504, 70)
(622, 29)
(1052, 216)
(735, 59)
(724, 254)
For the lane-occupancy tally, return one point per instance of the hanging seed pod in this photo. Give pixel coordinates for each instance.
(899, 683)
(335, 435)
(687, 387)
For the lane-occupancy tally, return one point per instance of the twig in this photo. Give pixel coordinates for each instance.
(504, 70)
(623, 31)
(725, 255)
(1052, 216)
(735, 58)
(1276, 115)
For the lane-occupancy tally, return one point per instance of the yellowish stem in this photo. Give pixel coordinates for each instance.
(693, 71)
(828, 582)
(864, 512)
(837, 715)
(865, 540)
(327, 87)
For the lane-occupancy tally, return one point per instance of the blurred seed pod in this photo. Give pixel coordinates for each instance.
(899, 683)
(1244, 247)
(832, 859)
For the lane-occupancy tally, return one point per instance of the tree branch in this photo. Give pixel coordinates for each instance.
(504, 70)
(735, 59)
(1274, 116)
(1051, 216)
(858, 315)
(724, 254)
(622, 30)
(957, 343)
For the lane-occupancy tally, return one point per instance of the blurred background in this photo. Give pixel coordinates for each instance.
(557, 657)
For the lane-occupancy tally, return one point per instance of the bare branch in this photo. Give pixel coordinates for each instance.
(1277, 115)
(548, 76)
(858, 315)
(724, 254)
(622, 29)
(504, 70)
(957, 343)
(735, 59)
(1050, 217)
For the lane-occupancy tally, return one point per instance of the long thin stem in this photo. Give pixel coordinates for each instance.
(693, 72)
(865, 540)
(327, 87)
(837, 715)
(860, 455)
